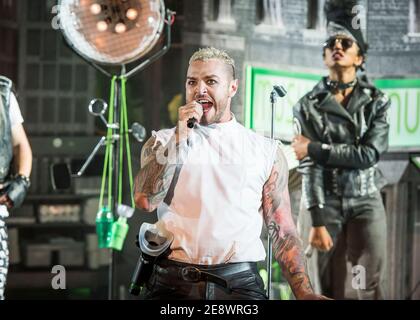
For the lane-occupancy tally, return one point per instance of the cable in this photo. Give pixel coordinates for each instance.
(108, 154)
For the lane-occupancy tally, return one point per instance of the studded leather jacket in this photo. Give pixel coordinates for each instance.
(6, 149)
(346, 142)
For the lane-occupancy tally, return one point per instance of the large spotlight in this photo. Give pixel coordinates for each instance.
(112, 32)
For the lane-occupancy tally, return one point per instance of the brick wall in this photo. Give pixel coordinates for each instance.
(393, 53)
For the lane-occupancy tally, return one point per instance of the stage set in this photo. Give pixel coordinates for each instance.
(209, 150)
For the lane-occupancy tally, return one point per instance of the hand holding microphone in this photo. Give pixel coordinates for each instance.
(320, 239)
(188, 115)
(192, 121)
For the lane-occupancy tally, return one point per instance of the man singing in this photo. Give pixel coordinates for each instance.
(212, 186)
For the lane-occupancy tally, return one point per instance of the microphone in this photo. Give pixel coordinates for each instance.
(278, 91)
(281, 92)
(191, 122)
(309, 251)
(141, 274)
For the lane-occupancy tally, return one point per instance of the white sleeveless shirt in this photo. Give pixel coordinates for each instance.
(215, 211)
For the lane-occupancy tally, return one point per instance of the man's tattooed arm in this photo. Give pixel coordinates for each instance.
(155, 176)
(278, 218)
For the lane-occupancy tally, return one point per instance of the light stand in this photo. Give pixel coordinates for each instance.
(116, 142)
(62, 172)
(278, 91)
(115, 156)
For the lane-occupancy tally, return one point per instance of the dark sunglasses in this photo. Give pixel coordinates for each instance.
(345, 43)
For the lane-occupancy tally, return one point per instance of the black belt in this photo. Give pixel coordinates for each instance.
(211, 273)
(350, 183)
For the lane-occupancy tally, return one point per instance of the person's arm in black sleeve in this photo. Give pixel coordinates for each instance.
(312, 173)
(361, 156)
(313, 191)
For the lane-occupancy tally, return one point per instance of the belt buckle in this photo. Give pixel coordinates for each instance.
(192, 274)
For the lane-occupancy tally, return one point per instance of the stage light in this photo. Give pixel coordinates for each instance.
(120, 27)
(95, 9)
(102, 26)
(112, 32)
(132, 14)
(114, 36)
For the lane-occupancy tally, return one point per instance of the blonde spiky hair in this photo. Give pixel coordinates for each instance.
(209, 53)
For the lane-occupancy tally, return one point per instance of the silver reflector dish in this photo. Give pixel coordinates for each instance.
(112, 32)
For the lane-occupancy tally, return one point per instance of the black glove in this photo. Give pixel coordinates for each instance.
(17, 189)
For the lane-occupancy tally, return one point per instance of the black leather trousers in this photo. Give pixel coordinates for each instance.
(355, 267)
(173, 280)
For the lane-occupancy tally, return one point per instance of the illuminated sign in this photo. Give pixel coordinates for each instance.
(404, 94)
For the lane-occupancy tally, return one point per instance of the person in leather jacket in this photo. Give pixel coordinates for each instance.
(15, 167)
(342, 130)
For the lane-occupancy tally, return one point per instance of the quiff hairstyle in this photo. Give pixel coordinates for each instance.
(210, 53)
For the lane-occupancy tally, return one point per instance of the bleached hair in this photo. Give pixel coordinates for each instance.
(209, 53)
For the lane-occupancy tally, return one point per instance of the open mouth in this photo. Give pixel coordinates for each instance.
(337, 55)
(206, 104)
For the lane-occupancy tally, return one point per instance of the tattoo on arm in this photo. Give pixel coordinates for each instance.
(156, 173)
(278, 217)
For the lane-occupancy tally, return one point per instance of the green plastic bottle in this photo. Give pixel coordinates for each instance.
(119, 232)
(281, 284)
(104, 221)
(276, 275)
